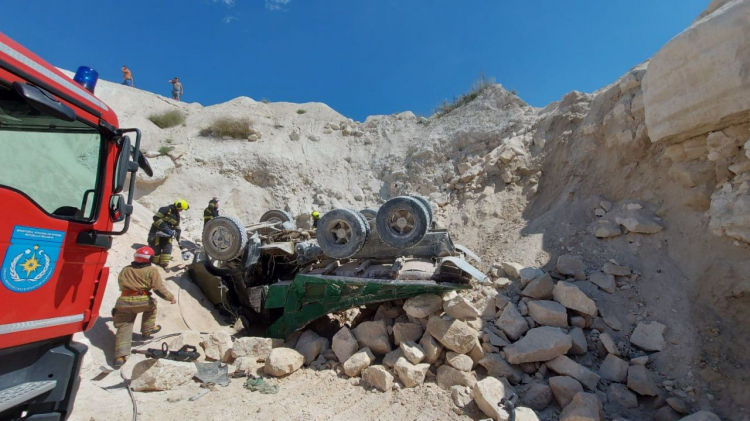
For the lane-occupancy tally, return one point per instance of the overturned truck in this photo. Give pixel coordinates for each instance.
(276, 275)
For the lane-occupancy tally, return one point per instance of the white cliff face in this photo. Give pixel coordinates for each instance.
(319, 159)
(698, 81)
(487, 160)
(487, 156)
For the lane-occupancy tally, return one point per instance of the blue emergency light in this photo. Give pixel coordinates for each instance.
(87, 77)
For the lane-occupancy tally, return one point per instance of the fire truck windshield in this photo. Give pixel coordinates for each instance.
(54, 163)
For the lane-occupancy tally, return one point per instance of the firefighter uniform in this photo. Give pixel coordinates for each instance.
(136, 283)
(212, 211)
(166, 226)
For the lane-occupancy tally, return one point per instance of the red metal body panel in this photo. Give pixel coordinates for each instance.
(78, 283)
(108, 114)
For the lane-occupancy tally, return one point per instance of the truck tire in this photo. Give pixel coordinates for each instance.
(426, 203)
(402, 222)
(276, 215)
(211, 267)
(341, 233)
(370, 214)
(364, 220)
(224, 238)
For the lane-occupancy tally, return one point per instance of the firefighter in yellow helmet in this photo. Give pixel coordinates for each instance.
(316, 218)
(165, 227)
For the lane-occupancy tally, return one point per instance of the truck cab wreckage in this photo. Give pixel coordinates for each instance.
(283, 277)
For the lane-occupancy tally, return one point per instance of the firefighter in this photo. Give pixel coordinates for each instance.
(212, 211)
(165, 227)
(316, 218)
(136, 283)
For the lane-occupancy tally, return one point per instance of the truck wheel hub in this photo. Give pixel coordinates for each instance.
(402, 222)
(221, 238)
(341, 232)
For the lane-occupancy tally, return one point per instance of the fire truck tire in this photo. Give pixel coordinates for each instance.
(370, 214)
(341, 233)
(426, 203)
(402, 222)
(224, 238)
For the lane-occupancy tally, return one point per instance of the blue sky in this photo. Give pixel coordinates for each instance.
(360, 57)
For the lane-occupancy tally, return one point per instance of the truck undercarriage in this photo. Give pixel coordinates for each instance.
(275, 275)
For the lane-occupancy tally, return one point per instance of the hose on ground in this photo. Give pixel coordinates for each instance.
(126, 379)
(179, 305)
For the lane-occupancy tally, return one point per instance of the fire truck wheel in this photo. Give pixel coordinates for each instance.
(426, 203)
(341, 233)
(402, 222)
(370, 214)
(224, 238)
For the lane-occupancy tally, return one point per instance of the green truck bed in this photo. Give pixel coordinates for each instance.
(309, 297)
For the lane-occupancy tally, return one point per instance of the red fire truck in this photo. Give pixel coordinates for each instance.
(64, 166)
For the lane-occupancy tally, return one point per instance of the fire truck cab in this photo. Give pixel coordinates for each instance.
(64, 167)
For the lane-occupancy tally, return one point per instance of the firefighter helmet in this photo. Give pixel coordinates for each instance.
(316, 215)
(181, 204)
(143, 254)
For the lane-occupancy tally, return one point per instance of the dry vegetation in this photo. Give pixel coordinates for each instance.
(167, 119)
(164, 150)
(480, 85)
(236, 128)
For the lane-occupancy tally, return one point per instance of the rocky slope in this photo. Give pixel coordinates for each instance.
(651, 171)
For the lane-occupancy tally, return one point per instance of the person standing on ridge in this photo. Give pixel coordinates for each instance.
(166, 226)
(136, 281)
(177, 90)
(212, 211)
(127, 76)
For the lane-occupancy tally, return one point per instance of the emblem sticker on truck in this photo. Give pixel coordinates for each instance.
(31, 258)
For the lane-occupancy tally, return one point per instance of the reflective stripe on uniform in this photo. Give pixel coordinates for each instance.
(123, 317)
(165, 218)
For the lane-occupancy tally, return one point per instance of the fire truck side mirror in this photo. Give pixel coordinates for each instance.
(125, 165)
(118, 208)
(127, 162)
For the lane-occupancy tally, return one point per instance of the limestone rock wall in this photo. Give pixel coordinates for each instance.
(699, 81)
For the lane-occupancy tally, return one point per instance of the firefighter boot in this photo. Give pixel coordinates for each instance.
(150, 335)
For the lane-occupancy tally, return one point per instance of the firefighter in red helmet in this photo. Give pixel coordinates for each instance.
(137, 280)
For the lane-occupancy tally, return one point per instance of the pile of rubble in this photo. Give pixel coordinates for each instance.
(532, 335)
